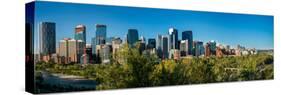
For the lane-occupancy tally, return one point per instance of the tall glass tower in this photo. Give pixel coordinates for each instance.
(173, 38)
(100, 34)
(187, 35)
(165, 47)
(159, 45)
(80, 33)
(132, 36)
(47, 38)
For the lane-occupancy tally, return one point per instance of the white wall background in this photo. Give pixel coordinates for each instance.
(12, 47)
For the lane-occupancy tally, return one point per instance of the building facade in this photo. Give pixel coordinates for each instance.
(198, 48)
(165, 47)
(80, 33)
(151, 43)
(173, 38)
(71, 50)
(184, 48)
(47, 40)
(100, 34)
(187, 35)
(159, 46)
(132, 37)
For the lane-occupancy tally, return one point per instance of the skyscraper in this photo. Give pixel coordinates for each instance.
(198, 48)
(100, 34)
(187, 35)
(94, 45)
(103, 52)
(207, 50)
(213, 47)
(151, 43)
(71, 50)
(75, 49)
(159, 46)
(174, 54)
(63, 50)
(86, 56)
(140, 45)
(47, 39)
(165, 47)
(116, 44)
(184, 48)
(173, 38)
(80, 33)
(132, 36)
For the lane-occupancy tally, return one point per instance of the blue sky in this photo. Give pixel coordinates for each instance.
(253, 31)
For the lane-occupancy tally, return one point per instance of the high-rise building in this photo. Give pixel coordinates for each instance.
(94, 45)
(198, 48)
(47, 39)
(174, 54)
(86, 57)
(63, 50)
(103, 51)
(159, 46)
(132, 36)
(116, 44)
(165, 47)
(210, 48)
(187, 35)
(140, 45)
(173, 38)
(100, 34)
(80, 33)
(207, 50)
(184, 48)
(71, 50)
(219, 52)
(213, 47)
(151, 43)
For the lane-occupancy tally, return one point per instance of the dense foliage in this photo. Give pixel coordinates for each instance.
(130, 68)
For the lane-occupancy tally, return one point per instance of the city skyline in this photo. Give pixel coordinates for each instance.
(151, 22)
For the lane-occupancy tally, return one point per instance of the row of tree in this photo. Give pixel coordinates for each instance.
(129, 69)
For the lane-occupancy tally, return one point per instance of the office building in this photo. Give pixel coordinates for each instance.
(103, 52)
(159, 46)
(71, 50)
(132, 37)
(47, 40)
(87, 55)
(151, 43)
(93, 43)
(213, 47)
(173, 38)
(100, 34)
(219, 51)
(165, 47)
(198, 48)
(174, 54)
(116, 44)
(207, 50)
(80, 33)
(187, 35)
(184, 48)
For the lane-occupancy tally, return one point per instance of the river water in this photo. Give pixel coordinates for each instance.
(67, 81)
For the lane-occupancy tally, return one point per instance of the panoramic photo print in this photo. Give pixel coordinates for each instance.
(86, 47)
